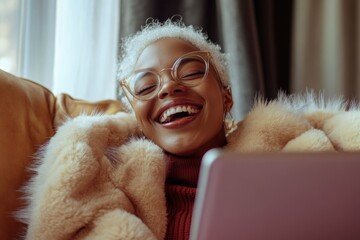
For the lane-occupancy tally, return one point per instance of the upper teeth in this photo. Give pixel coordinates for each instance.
(177, 109)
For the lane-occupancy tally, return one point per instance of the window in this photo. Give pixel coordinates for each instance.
(67, 46)
(9, 35)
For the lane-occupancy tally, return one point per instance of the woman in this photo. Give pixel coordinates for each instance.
(134, 175)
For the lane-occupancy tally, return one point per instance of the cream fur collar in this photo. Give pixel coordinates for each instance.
(98, 178)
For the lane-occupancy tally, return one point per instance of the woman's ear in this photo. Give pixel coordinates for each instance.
(227, 98)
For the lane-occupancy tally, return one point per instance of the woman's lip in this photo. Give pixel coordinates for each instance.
(181, 122)
(175, 103)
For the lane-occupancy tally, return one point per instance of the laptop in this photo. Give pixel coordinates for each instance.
(277, 196)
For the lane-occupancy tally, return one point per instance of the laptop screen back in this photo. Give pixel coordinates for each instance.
(278, 196)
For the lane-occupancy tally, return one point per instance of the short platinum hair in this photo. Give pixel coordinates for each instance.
(132, 46)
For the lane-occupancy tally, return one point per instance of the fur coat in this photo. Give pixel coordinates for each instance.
(97, 178)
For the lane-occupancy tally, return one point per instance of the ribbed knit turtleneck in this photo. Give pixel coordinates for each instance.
(181, 183)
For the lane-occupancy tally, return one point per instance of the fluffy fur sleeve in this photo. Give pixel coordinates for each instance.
(298, 123)
(92, 182)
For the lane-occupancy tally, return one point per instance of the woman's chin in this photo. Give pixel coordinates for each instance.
(185, 152)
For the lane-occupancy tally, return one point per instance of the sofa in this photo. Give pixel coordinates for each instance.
(29, 116)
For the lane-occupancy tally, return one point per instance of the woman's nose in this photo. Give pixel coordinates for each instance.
(170, 86)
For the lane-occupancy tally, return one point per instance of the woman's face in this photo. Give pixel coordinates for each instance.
(200, 127)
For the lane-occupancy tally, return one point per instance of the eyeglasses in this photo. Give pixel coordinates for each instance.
(188, 70)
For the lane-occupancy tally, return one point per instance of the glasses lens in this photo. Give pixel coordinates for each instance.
(191, 70)
(143, 84)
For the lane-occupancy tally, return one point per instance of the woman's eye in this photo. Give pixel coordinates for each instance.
(192, 75)
(144, 83)
(145, 90)
(191, 69)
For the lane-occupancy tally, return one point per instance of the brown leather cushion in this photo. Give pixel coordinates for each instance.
(27, 111)
(29, 115)
(68, 107)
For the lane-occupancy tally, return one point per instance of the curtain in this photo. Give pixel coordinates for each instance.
(86, 48)
(27, 38)
(241, 39)
(326, 47)
(67, 46)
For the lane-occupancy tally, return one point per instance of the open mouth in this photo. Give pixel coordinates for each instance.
(178, 112)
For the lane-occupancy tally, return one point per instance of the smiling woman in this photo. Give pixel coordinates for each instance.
(200, 90)
(134, 175)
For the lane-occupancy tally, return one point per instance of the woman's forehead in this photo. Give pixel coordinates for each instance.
(163, 53)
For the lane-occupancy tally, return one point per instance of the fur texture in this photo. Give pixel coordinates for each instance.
(97, 179)
(85, 182)
(298, 123)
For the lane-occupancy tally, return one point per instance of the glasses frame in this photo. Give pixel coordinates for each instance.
(204, 55)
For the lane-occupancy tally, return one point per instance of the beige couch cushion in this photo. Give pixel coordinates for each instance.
(29, 115)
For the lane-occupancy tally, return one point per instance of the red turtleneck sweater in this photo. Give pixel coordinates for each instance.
(181, 183)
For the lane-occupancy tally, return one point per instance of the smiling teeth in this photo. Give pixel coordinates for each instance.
(178, 109)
